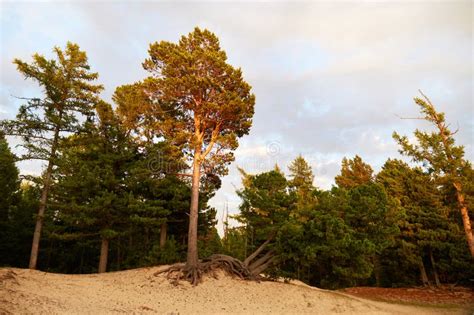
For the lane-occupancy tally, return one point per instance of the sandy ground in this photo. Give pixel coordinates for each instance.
(138, 291)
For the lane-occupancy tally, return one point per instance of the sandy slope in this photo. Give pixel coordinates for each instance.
(138, 291)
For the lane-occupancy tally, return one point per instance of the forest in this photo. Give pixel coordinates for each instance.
(127, 185)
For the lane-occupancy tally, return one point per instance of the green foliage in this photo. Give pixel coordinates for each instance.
(193, 97)
(170, 253)
(68, 93)
(353, 173)
(16, 230)
(9, 180)
(91, 193)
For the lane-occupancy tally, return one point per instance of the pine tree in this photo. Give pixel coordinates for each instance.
(92, 197)
(43, 122)
(301, 184)
(353, 173)
(198, 102)
(9, 197)
(9, 181)
(426, 234)
(444, 160)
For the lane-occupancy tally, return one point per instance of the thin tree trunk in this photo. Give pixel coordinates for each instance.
(465, 218)
(435, 271)
(258, 250)
(81, 264)
(44, 199)
(104, 252)
(423, 275)
(163, 231)
(377, 270)
(40, 217)
(192, 258)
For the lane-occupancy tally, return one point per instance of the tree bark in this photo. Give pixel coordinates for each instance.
(258, 251)
(44, 198)
(104, 252)
(435, 271)
(163, 235)
(192, 257)
(440, 124)
(423, 275)
(465, 217)
(40, 216)
(377, 271)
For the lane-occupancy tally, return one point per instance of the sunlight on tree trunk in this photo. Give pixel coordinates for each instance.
(104, 253)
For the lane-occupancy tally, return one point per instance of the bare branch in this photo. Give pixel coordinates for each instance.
(413, 118)
(426, 98)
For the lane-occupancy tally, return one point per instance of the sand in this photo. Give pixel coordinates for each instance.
(138, 291)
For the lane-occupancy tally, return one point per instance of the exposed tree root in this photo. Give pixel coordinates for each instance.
(230, 265)
(250, 269)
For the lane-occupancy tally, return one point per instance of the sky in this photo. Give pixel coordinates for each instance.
(331, 79)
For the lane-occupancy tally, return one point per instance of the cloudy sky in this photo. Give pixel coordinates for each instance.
(330, 78)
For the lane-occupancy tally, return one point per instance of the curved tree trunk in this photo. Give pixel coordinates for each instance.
(465, 217)
(192, 257)
(104, 252)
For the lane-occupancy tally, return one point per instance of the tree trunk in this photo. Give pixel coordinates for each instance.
(104, 252)
(258, 250)
(40, 217)
(163, 235)
(192, 258)
(377, 271)
(435, 271)
(423, 275)
(465, 218)
(44, 198)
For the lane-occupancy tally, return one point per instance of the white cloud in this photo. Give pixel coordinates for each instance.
(329, 78)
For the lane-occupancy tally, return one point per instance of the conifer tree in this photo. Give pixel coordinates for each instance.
(353, 173)
(426, 231)
(9, 181)
(9, 195)
(301, 183)
(444, 160)
(92, 196)
(43, 122)
(196, 101)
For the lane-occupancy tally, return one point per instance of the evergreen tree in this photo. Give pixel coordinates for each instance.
(264, 210)
(43, 122)
(9, 197)
(197, 101)
(353, 173)
(428, 237)
(9, 181)
(301, 184)
(444, 160)
(92, 197)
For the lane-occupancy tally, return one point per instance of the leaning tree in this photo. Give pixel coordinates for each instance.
(443, 158)
(197, 102)
(43, 122)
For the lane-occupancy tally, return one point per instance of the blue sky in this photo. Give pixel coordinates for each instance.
(330, 78)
